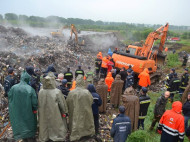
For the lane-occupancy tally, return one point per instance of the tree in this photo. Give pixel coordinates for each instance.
(1, 17)
(11, 16)
(23, 17)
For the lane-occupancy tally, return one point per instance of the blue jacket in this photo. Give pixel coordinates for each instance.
(97, 100)
(129, 81)
(121, 128)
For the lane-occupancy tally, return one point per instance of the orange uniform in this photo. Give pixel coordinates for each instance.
(105, 62)
(109, 79)
(144, 78)
(99, 55)
(172, 124)
(73, 85)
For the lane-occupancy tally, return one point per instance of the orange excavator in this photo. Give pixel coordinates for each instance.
(75, 32)
(144, 57)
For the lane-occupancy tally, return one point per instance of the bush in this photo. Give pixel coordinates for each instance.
(138, 136)
(173, 60)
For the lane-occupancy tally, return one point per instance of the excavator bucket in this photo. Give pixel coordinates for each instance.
(161, 59)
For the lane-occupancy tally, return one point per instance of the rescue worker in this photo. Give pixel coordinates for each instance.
(113, 71)
(144, 100)
(110, 65)
(102, 90)
(23, 105)
(184, 81)
(69, 76)
(89, 76)
(116, 91)
(132, 106)
(174, 86)
(129, 80)
(144, 79)
(185, 59)
(116, 50)
(108, 80)
(52, 112)
(50, 69)
(96, 103)
(9, 81)
(98, 62)
(79, 102)
(79, 71)
(121, 126)
(169, 78)
(159, 108)
(130, 69)
(171, 125)
(63, 88)
(123, 74)
(104, 66)
(186, 111)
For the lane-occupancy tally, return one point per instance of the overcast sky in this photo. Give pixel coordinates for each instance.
(176, 12)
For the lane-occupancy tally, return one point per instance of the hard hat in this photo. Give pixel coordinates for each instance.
(64, 81)
(122, 109)
(10, 70)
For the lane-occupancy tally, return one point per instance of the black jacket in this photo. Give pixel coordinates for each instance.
(186, 108)
(144, 104)
(123, 75)
(98, 63)
(184, 80)
(64, 90)
(69, 76)
(174, 84)
(8, 83)
(79, 71)
(129, 81)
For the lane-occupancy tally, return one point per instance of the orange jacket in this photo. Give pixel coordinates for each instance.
(73, 85)
(109, 79)
(172, 121)
(99, 55)
(144, 78)
(105, 62)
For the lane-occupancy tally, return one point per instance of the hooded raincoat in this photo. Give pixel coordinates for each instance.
(144, 78)
(109, 79)
(79, 102)
(22, 108)
(102, 90)
(116, 90)
(132, 106)
(52, 110)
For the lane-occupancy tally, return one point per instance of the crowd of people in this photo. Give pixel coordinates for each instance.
(68, 104)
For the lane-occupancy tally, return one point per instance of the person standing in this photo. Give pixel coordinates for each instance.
(69, 76)
(52, 112)
(79, 102)
(90, 76)
(22, 109)
(144, 79)
(186, 111)
(129, 80)
(96, 103)
(98, 63)
(110, 65)
(79, 71)
(116, 91)
(184, 81)
(9, 81)
(104, 66)
(102, 90)
(109, 79)
(159, 108)
(169, 78)
(63, 88)
(121, 126)
(132, 106)
(123, 74)
(174, 86)
(185, 59)
(144, 100)
(171, 125)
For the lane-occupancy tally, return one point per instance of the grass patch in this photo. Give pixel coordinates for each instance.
(173, 60)
(184, 42)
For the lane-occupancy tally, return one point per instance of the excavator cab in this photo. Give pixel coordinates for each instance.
(133, 50)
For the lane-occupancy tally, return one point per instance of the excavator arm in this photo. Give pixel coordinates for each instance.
(74, 30)
(163, 38)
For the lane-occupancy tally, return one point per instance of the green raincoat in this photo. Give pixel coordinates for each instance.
(22, 105)
(52, 107)
(79, 102)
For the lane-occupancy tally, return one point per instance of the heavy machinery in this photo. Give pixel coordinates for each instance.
(144, 57)
(78, 41)
(59, 33)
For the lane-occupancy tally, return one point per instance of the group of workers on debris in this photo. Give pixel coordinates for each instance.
(70, 107)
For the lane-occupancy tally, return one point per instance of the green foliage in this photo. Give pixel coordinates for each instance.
(185, 35)
(137, 136)
(1, 17)
(173, 60)
(11, 16)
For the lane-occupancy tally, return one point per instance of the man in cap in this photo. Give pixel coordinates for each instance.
(9, 81)
(98, 62)
(63, 88)
(89, 76)
(169, 78)
(129, 80)
(69, 76)
(33, 79)
(79, 71)
(185, 59)
(121, 126)
(184, 81)
(144, 100)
